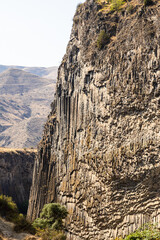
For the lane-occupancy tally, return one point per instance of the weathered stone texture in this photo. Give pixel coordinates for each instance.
(16, 170)
(100, 152)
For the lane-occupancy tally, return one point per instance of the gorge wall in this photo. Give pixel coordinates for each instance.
(100, 151)
(16, 170)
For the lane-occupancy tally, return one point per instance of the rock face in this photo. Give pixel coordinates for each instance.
(16, 168)
(100, 151)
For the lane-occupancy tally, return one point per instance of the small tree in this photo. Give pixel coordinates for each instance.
(102, 39)
(51, 217)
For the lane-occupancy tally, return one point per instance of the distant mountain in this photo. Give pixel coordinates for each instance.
(24, 104)
(50, 72)
(15, 81)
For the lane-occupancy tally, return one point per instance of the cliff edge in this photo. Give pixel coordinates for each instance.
(100, 151)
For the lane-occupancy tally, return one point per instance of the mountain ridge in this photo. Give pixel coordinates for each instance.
(40, 71)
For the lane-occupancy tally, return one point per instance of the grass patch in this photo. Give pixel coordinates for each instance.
(110, 5)
(116, 5)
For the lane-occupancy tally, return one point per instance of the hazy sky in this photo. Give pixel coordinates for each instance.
(35, 32)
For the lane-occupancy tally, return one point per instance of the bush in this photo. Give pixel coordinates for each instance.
(40, 223)
(116, 5)
(102, 39)
(147, 232)
(8, 208)
(148, 2)
(51, 217)
(50, 225)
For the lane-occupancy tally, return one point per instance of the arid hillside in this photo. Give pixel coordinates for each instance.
(24, 104)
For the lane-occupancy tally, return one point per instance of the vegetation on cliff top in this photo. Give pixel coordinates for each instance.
(109, 6)
(116, 5)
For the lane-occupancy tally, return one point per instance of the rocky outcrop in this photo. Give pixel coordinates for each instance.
(100, 151)
(16, 168)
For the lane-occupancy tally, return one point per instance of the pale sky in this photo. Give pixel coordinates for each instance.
(35, 32)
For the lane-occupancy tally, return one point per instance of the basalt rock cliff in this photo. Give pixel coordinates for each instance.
(16, 170)
(100, 152)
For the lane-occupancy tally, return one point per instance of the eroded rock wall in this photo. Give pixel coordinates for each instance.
(100, 152)
(16, 170)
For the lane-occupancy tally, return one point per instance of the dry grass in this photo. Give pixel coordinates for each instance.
(106, 7)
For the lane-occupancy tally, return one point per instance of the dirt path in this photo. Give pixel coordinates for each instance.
(7, 233)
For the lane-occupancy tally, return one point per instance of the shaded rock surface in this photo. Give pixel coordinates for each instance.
(16, 168)
(100, 151)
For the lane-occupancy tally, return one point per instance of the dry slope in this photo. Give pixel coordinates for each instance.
(24, 106)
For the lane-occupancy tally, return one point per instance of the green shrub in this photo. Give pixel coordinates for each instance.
(147, 232)
(8, 208)
(148, 2)
(50, 225)
(51, 217)
(102, 39)
(116, 5)
(40, 223)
